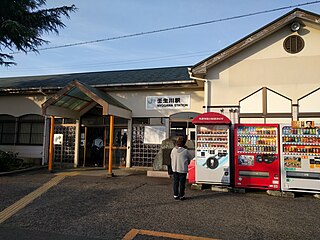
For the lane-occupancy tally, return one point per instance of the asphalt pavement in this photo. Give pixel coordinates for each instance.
(89, 205)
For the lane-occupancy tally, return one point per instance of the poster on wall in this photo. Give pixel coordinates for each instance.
(57, 139)
(168, 102)
(154, 134)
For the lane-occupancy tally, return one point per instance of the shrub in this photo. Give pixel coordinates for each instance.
(9, 161)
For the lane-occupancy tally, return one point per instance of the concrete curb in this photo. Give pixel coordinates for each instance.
(162, 174)
(22, 170)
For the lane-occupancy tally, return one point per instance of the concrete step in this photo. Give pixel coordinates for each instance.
(163, 174)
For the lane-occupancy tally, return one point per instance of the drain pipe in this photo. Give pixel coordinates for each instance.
(206, 89)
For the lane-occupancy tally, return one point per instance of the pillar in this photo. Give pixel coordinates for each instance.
(110, 145)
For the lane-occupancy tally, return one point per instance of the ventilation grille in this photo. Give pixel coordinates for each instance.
(293, 44)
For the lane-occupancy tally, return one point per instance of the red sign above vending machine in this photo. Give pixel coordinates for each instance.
(212, 118)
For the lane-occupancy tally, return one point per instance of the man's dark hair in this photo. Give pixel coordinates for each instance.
(181, 141)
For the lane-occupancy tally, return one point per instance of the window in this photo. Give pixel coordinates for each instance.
(293, 44)
(64, 121)
(140, 120)
(31, 129)
(7, 129)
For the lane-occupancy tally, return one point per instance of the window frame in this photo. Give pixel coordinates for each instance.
(30, 136)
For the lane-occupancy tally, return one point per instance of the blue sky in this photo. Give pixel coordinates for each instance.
(101, 19)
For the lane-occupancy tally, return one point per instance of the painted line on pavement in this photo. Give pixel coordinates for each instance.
(23, 202)
(134, 232)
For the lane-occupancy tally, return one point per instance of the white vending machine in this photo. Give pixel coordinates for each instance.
(300, 157)
(212, 150)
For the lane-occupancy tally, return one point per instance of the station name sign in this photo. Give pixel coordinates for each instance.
(168, 102)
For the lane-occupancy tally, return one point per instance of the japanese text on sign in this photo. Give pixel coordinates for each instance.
(168, 102)
(211, 119)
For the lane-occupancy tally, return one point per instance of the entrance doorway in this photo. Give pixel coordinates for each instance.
(95, 132)
(186, 129)
(181, 125)
(94, 146)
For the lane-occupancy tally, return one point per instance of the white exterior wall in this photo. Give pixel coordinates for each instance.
(267, 64)
(136, 101)
(24, 151)
(18, 106)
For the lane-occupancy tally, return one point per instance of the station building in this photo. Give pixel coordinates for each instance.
(145, 107)
(269, 76)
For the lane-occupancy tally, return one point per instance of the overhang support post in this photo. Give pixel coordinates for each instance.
(104, 147)
(110, 144)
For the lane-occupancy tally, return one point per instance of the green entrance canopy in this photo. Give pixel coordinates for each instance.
(77, 98)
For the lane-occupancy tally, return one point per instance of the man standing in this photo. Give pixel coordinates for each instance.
(180, 158)
(97, 150)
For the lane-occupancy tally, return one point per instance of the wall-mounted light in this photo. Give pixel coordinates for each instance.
(295, 26)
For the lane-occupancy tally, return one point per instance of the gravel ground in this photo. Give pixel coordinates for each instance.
(14, 187)
(96, 207)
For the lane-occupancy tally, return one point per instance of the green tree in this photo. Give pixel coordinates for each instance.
(23, 22)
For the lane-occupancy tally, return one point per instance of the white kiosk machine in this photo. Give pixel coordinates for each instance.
(212, 148)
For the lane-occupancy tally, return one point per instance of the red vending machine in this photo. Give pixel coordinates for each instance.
(212, 148)
(257, 160)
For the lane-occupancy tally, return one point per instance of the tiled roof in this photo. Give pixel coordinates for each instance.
(112, 78)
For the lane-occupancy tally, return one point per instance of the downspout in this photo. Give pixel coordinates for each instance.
(206, 89)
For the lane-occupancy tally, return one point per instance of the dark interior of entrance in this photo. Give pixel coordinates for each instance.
(186, 129)
(94, 149)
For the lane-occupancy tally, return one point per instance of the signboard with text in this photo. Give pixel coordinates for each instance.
(168, 102)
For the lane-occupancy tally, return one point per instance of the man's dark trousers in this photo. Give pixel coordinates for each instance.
(179, 183)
